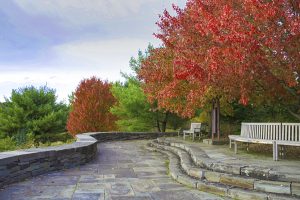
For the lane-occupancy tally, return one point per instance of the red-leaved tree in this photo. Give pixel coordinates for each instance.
(246, 50)
(162, 87)
(225, 51)
(90, 109)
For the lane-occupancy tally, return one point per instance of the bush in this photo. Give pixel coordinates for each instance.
(58, 137)
(7, 144)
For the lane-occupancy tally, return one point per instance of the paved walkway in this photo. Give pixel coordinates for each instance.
(122, 170)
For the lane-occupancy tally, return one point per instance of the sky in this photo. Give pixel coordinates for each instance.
(60, 42)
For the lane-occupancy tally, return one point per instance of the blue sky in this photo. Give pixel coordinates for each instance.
(60, 42)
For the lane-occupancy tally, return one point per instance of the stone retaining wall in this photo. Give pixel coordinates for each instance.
(18, 165)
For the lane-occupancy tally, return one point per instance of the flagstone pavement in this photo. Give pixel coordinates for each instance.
(121, 171)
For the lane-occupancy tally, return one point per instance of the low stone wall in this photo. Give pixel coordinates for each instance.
(19, 165)
(16, 166)
(119, 136)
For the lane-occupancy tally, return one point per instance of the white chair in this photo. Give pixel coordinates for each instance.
(195, 129)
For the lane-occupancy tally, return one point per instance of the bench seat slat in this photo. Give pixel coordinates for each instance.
(242, 139)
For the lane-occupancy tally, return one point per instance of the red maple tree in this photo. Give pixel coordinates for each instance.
(235, 49)
(91, 107)
(161, 86)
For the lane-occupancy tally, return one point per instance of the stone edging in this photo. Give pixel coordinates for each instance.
(18, 165)
(120, 136)
(178, 169)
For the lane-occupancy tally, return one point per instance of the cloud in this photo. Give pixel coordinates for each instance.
(60, 42)
(99, 54)
(90, 12)
(82, 12)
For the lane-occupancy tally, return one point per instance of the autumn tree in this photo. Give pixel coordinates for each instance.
(227, 51)
(162, 87)
(91, 107)
(244, 50)
(236, 50)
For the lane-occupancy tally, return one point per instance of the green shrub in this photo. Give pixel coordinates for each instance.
(33, 111)
(7, 144)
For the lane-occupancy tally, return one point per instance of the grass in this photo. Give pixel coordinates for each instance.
(292, 153)
(167, 163)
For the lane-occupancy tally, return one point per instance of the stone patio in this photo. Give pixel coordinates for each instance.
(122, 170)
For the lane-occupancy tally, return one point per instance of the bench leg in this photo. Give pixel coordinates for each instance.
(184, 135)
(282, 152)
(193, 136)
(230, 143)
(275, 151)
(235, 147)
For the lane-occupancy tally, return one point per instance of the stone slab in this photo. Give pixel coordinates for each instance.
(235, 193)
(273, 186)
(242, 182)
(212, 188)
(295, 187)
(196, 172)
(212, 176)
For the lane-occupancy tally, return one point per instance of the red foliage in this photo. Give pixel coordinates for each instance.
(160, 85)
(91, 107)
(234, 49)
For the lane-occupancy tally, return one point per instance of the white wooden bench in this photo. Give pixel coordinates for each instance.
(283, 134)
(195, 129)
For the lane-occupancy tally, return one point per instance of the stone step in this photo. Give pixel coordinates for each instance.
(227, 179)
(200, 159)
(211, 176)
(215, 188)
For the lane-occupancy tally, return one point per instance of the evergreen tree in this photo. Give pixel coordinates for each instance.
(32, 111)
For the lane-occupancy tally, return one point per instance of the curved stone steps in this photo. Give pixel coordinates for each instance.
(178, 175)
(200, 159)
(230, 180)
(185, 161)
(200, 173)
(215, 188)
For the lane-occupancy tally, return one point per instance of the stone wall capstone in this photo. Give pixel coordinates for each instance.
(119, 136)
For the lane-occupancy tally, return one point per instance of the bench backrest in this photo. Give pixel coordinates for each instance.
(271, 131)
(196, 126)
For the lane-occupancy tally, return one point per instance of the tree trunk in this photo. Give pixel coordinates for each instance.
(158, 125)
(218, 118)
(157, 122)
(215, 118)
(164, 122)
